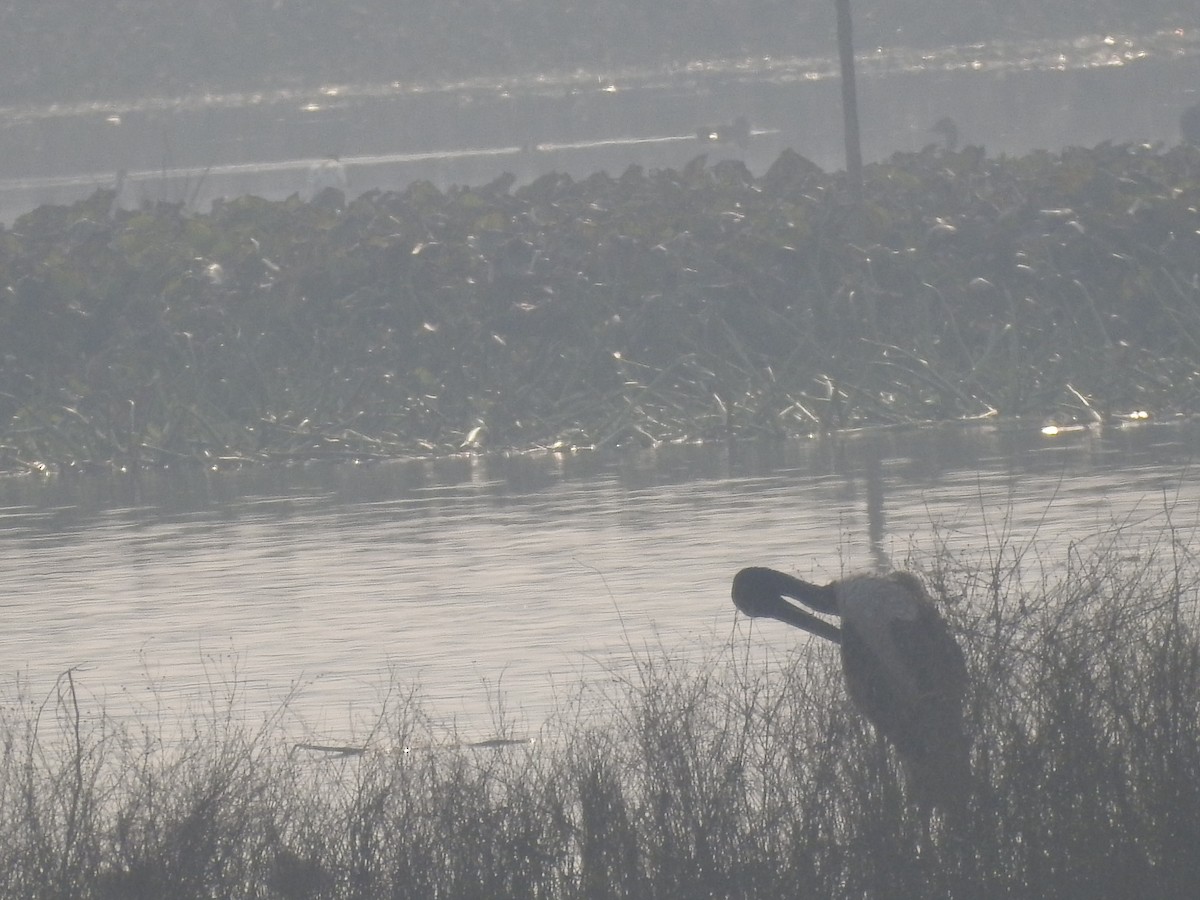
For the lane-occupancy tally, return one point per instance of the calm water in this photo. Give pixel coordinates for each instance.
(1009, 97)
(523, 574)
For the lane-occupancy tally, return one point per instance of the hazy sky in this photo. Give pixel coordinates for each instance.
(77, 49)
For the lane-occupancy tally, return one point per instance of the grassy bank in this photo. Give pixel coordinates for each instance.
(735, 776)
(660, 306)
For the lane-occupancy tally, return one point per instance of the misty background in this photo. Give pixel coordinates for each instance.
(189, 102)
(64, 50)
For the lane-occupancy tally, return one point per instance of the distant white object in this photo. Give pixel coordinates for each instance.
(329, 173)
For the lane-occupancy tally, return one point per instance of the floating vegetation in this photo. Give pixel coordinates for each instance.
(650, 307)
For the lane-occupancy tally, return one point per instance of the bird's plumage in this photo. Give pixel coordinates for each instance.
(903, 668)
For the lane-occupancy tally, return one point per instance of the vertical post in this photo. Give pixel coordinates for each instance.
(850, 102)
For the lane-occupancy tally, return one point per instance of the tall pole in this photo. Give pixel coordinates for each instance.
(850, 102)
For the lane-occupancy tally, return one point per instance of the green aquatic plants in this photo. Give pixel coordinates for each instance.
(745, 773)
(655, 306)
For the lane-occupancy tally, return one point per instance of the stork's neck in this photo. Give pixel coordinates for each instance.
(821, 597)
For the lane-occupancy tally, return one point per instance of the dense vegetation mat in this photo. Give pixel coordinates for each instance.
(653, 306)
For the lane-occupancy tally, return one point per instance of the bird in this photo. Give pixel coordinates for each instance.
(327, 182)
(904, 670)
(736, 132)
(948, 129)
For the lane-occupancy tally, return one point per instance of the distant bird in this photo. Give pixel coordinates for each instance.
(1189, 124)
(948, 129)
(904, 671)
(736, 132)
(327, 182)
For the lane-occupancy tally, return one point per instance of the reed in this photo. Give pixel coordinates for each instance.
(740, 775)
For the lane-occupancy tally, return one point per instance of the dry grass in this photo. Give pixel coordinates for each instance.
(723, 778)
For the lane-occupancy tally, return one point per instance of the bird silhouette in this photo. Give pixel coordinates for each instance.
(904, 671)
(948, 129)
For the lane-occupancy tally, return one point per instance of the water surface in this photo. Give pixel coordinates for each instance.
(513, 576)
(1010, 97)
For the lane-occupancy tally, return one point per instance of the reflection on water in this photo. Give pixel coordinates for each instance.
(1089, 51)
(1011, 97)
(521, 574)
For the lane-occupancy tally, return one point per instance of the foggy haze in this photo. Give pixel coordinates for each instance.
(194, 101)
(57, 50)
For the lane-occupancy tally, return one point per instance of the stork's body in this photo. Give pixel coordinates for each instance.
(903, 668)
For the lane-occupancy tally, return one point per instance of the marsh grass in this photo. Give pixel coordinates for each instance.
(654, 307)
(740, 775)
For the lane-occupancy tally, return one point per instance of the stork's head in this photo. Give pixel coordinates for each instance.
(759, 591)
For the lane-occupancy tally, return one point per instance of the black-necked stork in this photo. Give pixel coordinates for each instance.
(903, 668)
